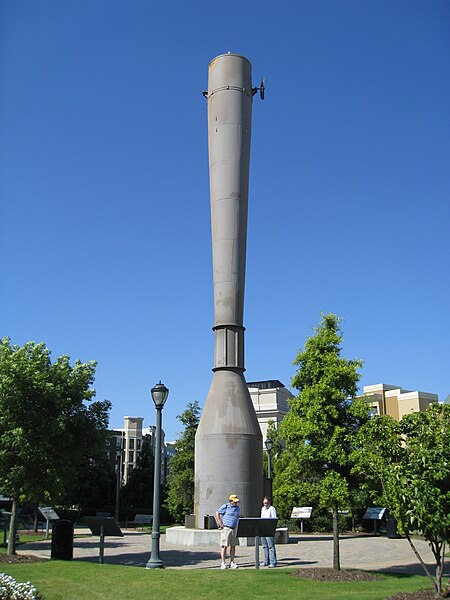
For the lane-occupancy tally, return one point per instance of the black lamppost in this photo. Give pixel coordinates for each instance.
(269, 446)
(159, 395)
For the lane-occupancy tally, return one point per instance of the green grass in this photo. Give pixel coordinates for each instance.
(60, 580)
(24, 538)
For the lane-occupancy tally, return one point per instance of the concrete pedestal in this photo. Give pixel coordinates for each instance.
(182, 536)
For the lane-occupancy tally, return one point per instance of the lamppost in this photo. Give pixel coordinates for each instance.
(269, 446)
(159, 395)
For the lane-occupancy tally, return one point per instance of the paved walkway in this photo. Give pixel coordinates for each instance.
(356, 552)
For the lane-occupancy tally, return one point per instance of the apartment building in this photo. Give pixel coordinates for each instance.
(126, 446)
(395, 401)
(270, 400)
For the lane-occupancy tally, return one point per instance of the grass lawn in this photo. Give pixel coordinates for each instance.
(24, 537)
(61, 580)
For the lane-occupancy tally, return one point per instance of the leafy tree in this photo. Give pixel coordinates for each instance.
(411, 460)
(46, 426)
(94, 484)
(320, 425)
(138, 491)
(180, 483)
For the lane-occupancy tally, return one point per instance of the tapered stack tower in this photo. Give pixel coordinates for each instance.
(228, 444)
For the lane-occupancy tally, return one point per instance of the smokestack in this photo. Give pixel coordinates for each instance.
(228, 443)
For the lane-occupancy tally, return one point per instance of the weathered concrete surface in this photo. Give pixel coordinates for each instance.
(228, 443)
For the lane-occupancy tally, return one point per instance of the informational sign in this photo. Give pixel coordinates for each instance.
(103, 526)
(301, 512)
(375, 513)
(256, 527)
(48, 513)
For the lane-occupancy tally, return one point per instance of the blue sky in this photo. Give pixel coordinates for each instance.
(105, 230)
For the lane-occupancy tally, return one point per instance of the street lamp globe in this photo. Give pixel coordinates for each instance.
(159, 395)
(269, 444)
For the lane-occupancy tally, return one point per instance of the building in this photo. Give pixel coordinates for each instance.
(126, 444)
(396, 402)
(270, 400)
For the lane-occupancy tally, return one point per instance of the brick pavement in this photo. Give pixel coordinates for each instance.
(356, 551)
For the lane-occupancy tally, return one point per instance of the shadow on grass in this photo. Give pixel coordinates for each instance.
(413, 569)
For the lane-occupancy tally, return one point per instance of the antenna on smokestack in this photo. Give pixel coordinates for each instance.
(260, 89)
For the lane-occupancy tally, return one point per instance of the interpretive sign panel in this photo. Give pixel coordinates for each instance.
(256, 528)
(301, 512)
(109, 525)
(103, 526)
(48, 513)
(374, 513)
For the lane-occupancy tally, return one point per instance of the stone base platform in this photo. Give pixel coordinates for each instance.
(183, 536)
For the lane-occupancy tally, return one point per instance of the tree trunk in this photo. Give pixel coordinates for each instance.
(336, 558)
(12, 528)
(36, 519)
(419, 558)
(438, 548)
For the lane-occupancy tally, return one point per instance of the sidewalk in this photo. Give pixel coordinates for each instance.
(356, 552)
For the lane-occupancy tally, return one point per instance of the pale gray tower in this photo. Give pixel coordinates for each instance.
(228, 444)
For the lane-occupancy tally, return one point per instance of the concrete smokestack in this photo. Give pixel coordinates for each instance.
(228, 444)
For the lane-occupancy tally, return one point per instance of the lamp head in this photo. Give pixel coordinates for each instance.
(159, 395)
(269, 444)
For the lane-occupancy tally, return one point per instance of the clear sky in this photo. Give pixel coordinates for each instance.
(105, 226)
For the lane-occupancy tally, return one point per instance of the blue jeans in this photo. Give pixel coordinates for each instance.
(270, 553)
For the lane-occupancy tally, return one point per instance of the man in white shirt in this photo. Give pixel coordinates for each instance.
(270, 554)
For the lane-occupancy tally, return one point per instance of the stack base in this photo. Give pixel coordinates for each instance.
(228, 449)
(182, 536)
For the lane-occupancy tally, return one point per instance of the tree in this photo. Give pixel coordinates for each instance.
(94, 484)
(320, 425)
(180, 483)
(411, 460)
(46, 426)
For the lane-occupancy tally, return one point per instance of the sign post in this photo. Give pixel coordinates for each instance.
(374, 514)
(103, 526)
(49, 515)
(256, 528)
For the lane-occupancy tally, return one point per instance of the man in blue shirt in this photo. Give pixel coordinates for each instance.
(227, 517)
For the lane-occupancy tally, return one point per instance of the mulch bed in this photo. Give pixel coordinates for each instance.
(322, 574)
(335, 576)
(418, 595)
(20, 558)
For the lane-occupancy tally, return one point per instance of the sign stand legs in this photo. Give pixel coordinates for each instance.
(257, 547)
(102, 544)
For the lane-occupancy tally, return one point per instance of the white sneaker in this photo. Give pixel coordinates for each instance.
(223, 566)
(233, 565)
